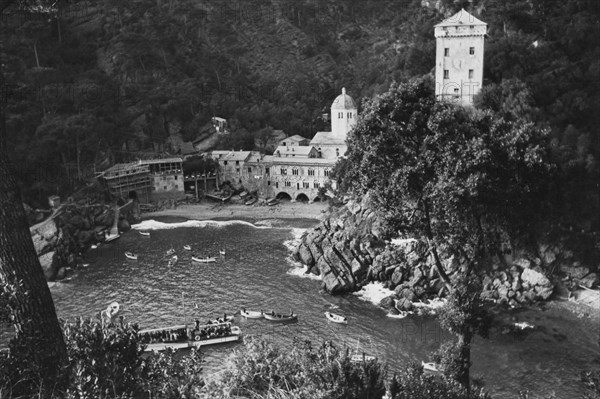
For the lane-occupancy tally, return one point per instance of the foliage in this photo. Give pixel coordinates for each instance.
(199, 164)
(106, 361)
(261, 369)
(412, 383)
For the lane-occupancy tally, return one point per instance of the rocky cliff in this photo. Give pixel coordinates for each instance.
(60, 239)
(351, 248)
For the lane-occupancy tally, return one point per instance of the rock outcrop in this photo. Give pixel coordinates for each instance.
(353, 247)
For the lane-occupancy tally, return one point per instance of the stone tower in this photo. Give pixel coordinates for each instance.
(343, 115)
(459, 58)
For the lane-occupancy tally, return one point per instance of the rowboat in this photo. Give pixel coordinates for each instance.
(204, 260)
(272, 202)
(251, 201)
(243, 194)
(170, 251)
(429, 366)
(187, 247)
(250, 314)
(145, 233)
(131, 255)
(183, 336)
(279, 317)
(336, 318)
(111, 237)
(524, 325)
(173, 260)
(222, 252)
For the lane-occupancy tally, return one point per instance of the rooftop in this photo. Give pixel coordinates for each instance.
(327, 138)
(298, 150)
(163, 160)
(460, 18)
(343, 101)
(304, 161)
(295, 137)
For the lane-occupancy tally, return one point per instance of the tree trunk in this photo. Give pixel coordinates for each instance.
(32, 309)
(464, 343)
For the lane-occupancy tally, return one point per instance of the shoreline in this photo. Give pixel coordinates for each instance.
(281, 215)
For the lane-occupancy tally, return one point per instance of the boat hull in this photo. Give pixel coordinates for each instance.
(249, 314)
(279, 319)
(204, 260)
(336, 318)
(161, 346)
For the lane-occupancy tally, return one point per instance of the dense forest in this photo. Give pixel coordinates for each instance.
(88, 83)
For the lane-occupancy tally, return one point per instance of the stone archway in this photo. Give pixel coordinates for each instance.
(317, 199)
(302, 198)
(282, 195)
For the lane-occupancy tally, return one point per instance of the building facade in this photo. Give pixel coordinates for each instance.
(298, 168)
(459, 58)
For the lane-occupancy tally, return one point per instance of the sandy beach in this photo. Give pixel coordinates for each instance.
(277, 215)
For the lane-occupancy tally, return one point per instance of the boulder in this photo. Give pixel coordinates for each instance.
(534, 278)
(388, 302)
(574, 271)
(46, 261)
(590, 281)
(397, 276)
(523, 263)
(61, 273)
(404, 304)
(305, 255)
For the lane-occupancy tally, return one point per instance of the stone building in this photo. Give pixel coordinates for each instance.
(459, 57)
(298, 168)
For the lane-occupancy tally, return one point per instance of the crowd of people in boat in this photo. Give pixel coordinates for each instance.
(183, 334)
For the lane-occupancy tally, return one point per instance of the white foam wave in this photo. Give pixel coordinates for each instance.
(293, 243)
(433, 304)
(299, 270)
(156, 225)
(374, 293)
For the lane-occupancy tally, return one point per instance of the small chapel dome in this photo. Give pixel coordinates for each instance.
(343, 101)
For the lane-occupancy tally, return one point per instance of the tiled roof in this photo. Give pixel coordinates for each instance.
(297, 150)
(343, 101)
(460, 18)
(326, 138)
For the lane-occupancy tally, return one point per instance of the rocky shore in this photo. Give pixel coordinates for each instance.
(71, 229)
(350, 248)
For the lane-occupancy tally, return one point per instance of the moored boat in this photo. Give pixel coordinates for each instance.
(183, 336)
(243, 194)
(280, 317)
(187, 247)
(131, 255)
(250, 201)
(203, 260)
(145, 233)
(336, 318)
(429, 366)
(273, 202)
(251, 314)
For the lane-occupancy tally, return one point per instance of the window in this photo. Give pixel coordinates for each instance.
(165, 187)
(472, 26)
(176, 186)
(240, 180)
(337, 152)
(276, 184)
(237, 170)
(288, 184)
(269, 183)
(249, 170)
(224, 162)
(267, 170)
(340, 115)
(237, 162)
(446, 74)
(311, 172)
(446, 52)
(295, 172)
(283, 171)
(326, 172)
(305, 185)
(471, 50)
(175, 177)
(283, 144)
(470, 74)
(316, 185)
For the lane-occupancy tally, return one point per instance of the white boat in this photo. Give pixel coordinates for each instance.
(222, 252)
(280, 317)
(145, 233)
(187, 247)
(336, 318)
(204, 260)
(131, 255)
(225, 319)
(170, 252)
(173, 260)
(183, 336)
(251, 314)
(93, 246)
(358, 357)
(429, 366)
(524, 325)
(111, 237)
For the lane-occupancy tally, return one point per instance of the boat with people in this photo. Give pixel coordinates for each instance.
(171, 251)
(430, 366)
(336, 318)
(131, 255)
(187, 247)
(145, 233)
(280, 317)
(203, 260)
(251, 314)
(173, 261)
(184, 336)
